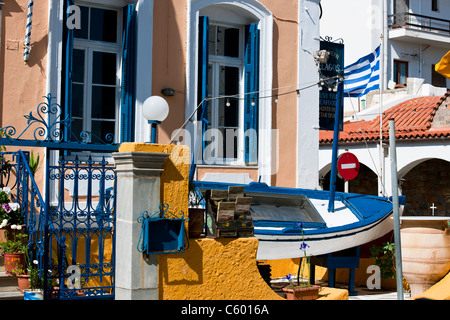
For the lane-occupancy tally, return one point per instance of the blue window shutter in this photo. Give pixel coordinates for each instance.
(203, 63)
(127, 89)
(251, 84)
(202, 87)
(68, 47)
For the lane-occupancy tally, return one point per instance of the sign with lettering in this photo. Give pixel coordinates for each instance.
(331, 94)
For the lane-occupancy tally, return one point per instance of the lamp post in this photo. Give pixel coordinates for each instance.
(155, 109)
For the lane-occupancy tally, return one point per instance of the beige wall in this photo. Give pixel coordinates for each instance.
(169, 60)
(22, 84)
(284, 113)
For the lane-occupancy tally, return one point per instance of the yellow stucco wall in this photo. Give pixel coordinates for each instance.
(174, 179)
(214, 269)
(209, 268)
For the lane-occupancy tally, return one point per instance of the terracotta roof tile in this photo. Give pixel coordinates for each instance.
(413, 120)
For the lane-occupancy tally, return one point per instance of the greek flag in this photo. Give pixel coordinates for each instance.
(363, 75)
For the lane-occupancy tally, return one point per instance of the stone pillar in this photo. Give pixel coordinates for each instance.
(138, 190)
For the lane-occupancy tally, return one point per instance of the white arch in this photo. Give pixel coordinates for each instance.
(252, 6)
(367, 156)
(409, 156)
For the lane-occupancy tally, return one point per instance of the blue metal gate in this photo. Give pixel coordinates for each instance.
(80, 229)
(70, 226)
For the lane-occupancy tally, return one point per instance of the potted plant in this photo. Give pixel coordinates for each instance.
(36, 283)
(384, 257)
(301, 290)
(10, 215)
(33, 163)
(14, 249)
(23, 279)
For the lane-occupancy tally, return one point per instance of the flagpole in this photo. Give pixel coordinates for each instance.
(382, 79)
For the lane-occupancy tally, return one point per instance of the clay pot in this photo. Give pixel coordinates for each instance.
(23, 282)
(13, 260)
(301, 293)
(425, 243)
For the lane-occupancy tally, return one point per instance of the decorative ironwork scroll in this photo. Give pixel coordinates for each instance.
(82, 220)
(46, 127)
(162, 231)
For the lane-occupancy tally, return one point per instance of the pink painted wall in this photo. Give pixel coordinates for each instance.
(22, 84)
(169, 70)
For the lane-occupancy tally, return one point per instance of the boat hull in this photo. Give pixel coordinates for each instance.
(278, 247)
(285, 217)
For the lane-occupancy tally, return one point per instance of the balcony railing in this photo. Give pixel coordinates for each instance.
(419, 22)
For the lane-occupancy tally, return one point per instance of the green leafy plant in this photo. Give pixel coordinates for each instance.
(33, 163)
(18, 269)
(384, 256)
(36, 282)
(15, 244)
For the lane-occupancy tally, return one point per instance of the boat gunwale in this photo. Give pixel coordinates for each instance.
(363, 220)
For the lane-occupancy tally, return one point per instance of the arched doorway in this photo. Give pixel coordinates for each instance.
(364, 183)
(425, 186)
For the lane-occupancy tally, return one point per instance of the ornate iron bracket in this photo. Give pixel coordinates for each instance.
(330, 39)
(47, 131)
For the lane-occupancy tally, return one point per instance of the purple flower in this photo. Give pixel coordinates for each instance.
(303, 246)
(288, 277)
(6, 207)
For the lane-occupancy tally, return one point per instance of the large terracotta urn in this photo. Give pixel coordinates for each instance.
(425, 244)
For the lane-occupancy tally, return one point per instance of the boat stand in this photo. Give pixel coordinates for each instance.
(348, 258)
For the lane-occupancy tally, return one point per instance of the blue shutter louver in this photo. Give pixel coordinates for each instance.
(251, 93)
(127, 87)
(203, 71)
(202, 87)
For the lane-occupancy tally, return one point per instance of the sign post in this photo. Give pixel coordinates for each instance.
(331, 102)
(334, 155)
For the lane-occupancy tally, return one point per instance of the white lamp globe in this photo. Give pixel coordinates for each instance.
(155, 108)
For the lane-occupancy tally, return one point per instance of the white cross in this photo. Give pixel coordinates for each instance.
(432, 208)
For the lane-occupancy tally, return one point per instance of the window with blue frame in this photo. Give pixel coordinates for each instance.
(98, 74)
(228, 79)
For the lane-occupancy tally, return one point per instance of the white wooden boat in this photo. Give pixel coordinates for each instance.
(284, 218)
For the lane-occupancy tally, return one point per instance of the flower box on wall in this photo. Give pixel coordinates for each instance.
(163, 232)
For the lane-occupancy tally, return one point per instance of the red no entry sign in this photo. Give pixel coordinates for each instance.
(348, 166)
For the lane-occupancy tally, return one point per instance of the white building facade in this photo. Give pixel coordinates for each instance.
(415, 35)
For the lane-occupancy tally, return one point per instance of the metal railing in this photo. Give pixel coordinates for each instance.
(419, 22)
